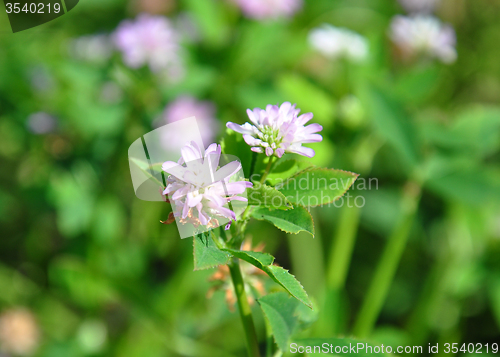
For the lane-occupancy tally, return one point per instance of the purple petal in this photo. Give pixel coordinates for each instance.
(189, 153)
(242, 129)
(213, 154)
(312, 138)
(257, 149)
(168, 164)
(269, 151)
(201, 215)
(227, 170)
(185, 210)
(280, 152)
(175, 170)
(302, 150)
(193, 200)
(212, 148)
(312, 128)
(238, 198)
(180, 193)
(304, 118)
(253, 118)
(250, 140)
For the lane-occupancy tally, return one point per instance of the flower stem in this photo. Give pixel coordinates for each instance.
(268, 169)
(388, 264)
(248, 210)
(245, 310)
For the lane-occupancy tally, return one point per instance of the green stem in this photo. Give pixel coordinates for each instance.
(244, 217)
(245, 310)
(388, 264)
(268, 169)
(269, 340)
(341, 253)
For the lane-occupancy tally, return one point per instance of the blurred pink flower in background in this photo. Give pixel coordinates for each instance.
(424, 35)
(19, 332)
(41, 123)
(269, 9)
(149, 40)
(186, 106)
(419, 6)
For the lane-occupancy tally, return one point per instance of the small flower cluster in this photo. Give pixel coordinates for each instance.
(424, 35)
(269, 9)
(149, 40)
(199, 191)
(279, 129)
(335, 43)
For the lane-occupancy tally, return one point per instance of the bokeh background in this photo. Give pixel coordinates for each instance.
(87, 269)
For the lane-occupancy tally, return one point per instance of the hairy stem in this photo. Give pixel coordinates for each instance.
(245, 310)
(388, 264)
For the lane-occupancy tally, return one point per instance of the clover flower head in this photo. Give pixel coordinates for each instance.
(199, 189)
(424, 35)
(149, 40)
(269, 9)
(334, 42)
(279, 129)
(419, 6)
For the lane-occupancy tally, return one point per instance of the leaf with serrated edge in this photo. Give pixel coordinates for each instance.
(279, 310)
(257, 259)
(278, 274)
(324, 185)
(292, 221)
(289, 282)
(206, 254)
(267, 196)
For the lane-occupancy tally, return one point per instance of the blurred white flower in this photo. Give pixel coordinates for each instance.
(419, 6)
(91, 48)
(334, 42)
(185, 107)
(41, 123)
(19, 332)
(269, 9)
(424, 35)
(149, 40)
(92, 336)
(41, 79)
